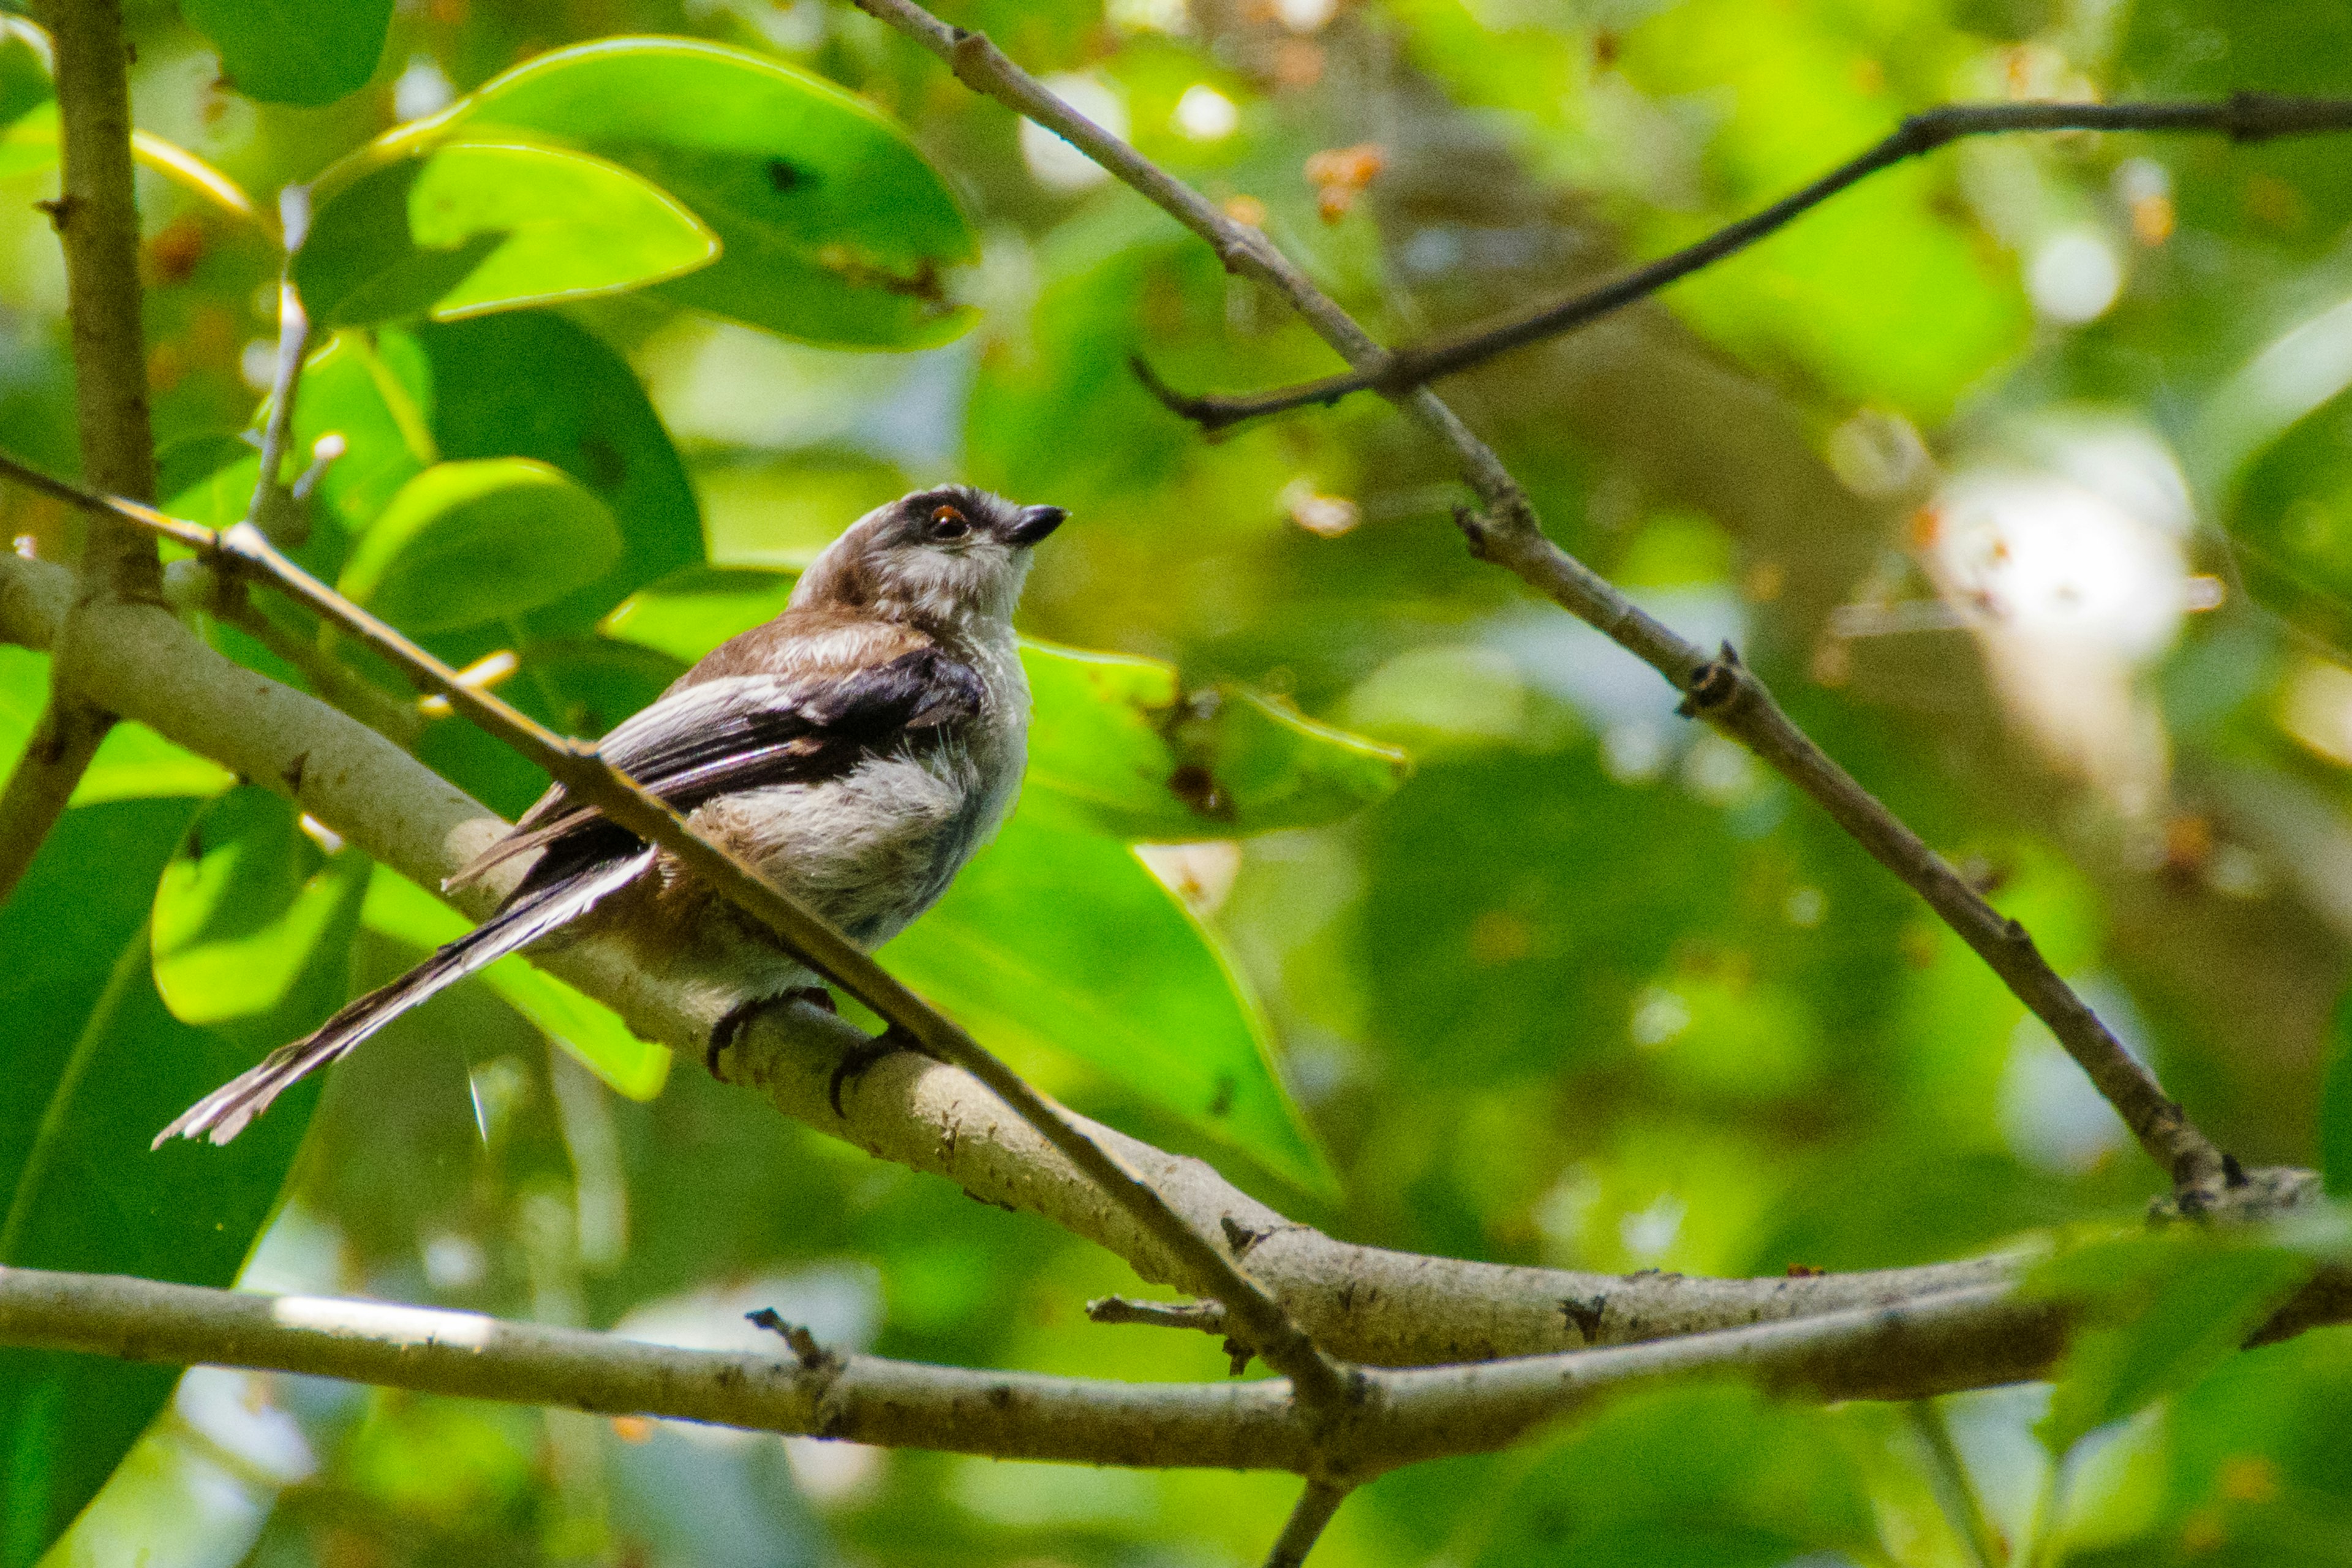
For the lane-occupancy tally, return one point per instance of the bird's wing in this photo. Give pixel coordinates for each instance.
(747, 731)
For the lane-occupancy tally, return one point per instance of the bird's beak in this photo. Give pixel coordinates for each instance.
(1037, 522)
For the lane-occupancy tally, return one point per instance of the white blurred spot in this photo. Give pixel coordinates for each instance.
(1563, 1214)
(2074, 277)
(1634, 752)
(2052, 1117)
(421, 90)
(1174, 17)
(1720, 771)
(258, 364)
(1880, 456)
(1658, 1016)
(454, 1262)
(1649, 1234)
(233, 1411)
(1806, 908)
(1205, 114)
(1054, 163)
(384, 1321)
(320, 834)
(1202, 874)
(833, 1472)
(1325, 516)
(1305, 16)
(2137, 180)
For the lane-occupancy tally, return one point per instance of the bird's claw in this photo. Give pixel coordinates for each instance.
(730, 1027)
(857, 1059)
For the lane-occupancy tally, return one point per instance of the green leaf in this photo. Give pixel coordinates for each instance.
(1112, 737)
(294, 51)
(2290, 523)
(1709, 1477)
(466, 228)
(834, 229)
(591, 1031)
(533, 384)
(2335, 1105)
(243, 907)
(2170, 1308)
(133, 762)
(1057, 938)
(463, 543)
(97, 1064)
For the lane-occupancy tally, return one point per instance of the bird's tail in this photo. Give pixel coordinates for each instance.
(223, 1113)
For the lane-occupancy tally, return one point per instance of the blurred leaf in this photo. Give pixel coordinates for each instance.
(533, 385)
(2170, 1306)
(97, 1064)
(2335, 1104)
(243, 907)
(1707, 1478)
(469, 543)
(1058, 938)
(466, 227)
(591, 1031)
(133, 762)
(834, 228)
(294, 51)
(2290, 523)
(1112, 737)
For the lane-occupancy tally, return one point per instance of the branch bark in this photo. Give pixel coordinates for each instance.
(1719, 690)
(96, 216)
(2243, 117)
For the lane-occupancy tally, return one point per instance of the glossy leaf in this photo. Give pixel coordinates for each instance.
(466, 543)
(591, 1031)
(834, 229)
(243, 907)
(133, 762)
(97, 1064)
(2170, 1306)
(1111, 736)
(1057, 937)
(466, 227)
(1692, 1477)
(294, 51)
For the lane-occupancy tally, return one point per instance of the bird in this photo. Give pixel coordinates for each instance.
(856, 752)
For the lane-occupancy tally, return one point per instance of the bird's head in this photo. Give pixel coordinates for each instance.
(953, 556)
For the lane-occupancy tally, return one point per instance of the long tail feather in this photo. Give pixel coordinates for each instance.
(223, 1113)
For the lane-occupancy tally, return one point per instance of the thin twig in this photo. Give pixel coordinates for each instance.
(1316, 1506)
(96, 216)
(1208, 1317)
(1322, 1385)
(1955, 1490)
(1718, 690)
(2243, 117)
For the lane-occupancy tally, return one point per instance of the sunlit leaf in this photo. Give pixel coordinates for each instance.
(1056, 937)
(834, 226)
(461, 228)
(97, 1063)
(591, 1031)
(243, 907)
(294, 51)
(466, 543)
(133, 762)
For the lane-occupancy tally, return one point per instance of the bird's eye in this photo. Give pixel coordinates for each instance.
(949, 522)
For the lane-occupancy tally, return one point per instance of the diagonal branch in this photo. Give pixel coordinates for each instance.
(96, 216)
(243, 549)
(1316, 1506)
(2243, 117)
(1719, 690)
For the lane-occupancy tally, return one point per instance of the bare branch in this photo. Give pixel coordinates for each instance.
(1316, 1506)
(2243, 117)
(1257, 1319)
(1719, 690)
(96, 216)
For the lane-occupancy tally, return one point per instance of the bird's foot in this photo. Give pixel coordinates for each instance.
(730, 1027)
(857, 1059)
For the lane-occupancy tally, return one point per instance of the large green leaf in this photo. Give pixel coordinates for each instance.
(1686, 1478)
(2335, 1105)
(243, 907)
(97, 1063)
(1058, 937)
(591, 1031)
(294, 51)
(469, 543)
(834, 226)
(2166, 1309)
(460, 228)
(2290, 522)
(1112, 737)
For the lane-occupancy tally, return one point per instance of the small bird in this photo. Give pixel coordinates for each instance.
(855, 752)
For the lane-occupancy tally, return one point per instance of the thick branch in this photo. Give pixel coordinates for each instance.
(97, 219)
(1719, 690)
(2243, 117)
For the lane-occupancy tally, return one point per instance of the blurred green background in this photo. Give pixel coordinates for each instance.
(2023, 474)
